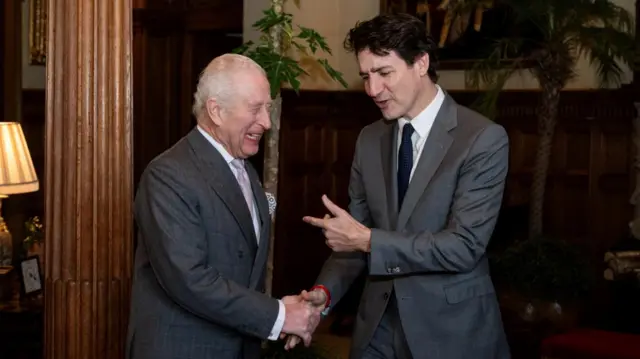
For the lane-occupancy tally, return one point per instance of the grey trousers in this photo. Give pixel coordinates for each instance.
(388, 341)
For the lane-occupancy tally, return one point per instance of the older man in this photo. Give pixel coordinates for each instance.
(204, 229)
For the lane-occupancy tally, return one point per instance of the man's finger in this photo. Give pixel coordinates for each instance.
(292, 341)
(318, 222)
(332, 207)
(333, 244)
(324, 229)
(307, 339)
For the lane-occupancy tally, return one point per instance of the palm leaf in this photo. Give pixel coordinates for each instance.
(607, 48)
(598, 29)
(492, 73)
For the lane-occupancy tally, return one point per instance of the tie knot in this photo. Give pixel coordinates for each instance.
(238, 164)
(407, 131)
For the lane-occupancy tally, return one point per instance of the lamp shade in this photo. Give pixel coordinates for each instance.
(17, 174)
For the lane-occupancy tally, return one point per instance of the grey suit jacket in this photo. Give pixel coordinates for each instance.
(199, 271)
(431, 252)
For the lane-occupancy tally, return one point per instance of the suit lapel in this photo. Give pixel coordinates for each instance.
(388, 144)
(435, 148)
(265, 226)
(220, 178)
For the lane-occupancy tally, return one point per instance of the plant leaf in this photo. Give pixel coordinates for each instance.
(281, 68)
(333, 73)
(314, 39)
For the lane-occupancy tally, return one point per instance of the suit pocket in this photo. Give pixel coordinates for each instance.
(470, 288)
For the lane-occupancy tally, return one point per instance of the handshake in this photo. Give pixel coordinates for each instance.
(302, 316)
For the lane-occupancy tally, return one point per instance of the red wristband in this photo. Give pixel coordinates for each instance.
(326, 293)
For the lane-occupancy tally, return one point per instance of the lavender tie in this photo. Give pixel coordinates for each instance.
(245, 185)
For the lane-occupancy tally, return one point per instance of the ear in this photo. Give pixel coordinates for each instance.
(422, 64)
(213, 110)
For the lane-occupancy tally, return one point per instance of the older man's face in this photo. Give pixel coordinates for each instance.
(246, 118)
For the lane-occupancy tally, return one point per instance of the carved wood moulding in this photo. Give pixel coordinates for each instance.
(38, 10)
(88, 176)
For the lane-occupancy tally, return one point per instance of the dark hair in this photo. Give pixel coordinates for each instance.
(403, 33)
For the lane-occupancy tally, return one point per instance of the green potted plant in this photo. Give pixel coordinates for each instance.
(542, 286)
(280, 41)
(546, 269)
(565, 31)
(32, 243)
(280, 50)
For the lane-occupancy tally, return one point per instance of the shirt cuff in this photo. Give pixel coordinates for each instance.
(277, 326)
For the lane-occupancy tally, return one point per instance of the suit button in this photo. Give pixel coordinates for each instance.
(385, 296)
(240, 254)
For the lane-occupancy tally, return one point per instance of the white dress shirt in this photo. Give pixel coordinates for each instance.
(422, 125)
(277, 327)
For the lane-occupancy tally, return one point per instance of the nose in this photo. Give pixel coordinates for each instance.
(374, 86)
(265, 119)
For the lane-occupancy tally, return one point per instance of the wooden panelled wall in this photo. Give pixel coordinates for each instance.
(588, 189)
(2, 55)
(10, 80)
(173, 41)
(589, 185)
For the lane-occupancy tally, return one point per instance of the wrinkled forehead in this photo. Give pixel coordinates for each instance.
(252, 85)
(249, 75)
(369, 62)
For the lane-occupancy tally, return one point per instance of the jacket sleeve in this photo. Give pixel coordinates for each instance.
(341, 269)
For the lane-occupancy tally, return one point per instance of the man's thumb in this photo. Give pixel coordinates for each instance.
(317, 297)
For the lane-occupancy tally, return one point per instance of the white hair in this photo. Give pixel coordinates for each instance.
(217, 80)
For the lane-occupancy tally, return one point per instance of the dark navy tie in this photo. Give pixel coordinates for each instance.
(405, 162)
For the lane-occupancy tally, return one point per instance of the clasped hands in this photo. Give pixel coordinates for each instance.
(342, 234)
(302, 316)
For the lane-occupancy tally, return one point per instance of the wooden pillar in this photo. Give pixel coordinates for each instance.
(88, 179)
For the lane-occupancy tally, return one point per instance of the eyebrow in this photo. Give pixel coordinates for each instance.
(376, 69)
(258, 104)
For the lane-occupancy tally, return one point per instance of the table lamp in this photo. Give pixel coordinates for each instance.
(17, 175)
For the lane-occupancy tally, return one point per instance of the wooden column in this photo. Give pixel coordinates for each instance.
(88, 180)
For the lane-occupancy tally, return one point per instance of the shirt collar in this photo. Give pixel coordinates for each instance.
(218, 146)
(422, 123)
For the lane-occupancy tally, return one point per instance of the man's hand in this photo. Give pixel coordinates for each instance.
(301, 318)
(317, 300)
(342, 232)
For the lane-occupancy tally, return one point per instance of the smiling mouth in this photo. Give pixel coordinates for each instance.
(254, 136)
(382, 103)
